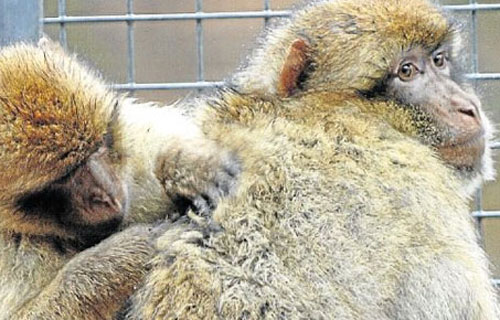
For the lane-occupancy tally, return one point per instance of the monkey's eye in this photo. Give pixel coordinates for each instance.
(407, 71)
(439, 60)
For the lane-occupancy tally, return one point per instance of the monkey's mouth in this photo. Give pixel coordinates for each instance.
(465, 152)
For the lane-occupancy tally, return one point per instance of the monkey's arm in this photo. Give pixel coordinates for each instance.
(199, 175)
(192, 170)
(96, 282)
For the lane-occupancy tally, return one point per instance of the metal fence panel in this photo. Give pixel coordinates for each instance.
(199, 16)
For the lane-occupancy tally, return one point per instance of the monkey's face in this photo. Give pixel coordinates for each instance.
(89, 202)
(406, 52)
(54, 116)
(96, 198)
(448, 115)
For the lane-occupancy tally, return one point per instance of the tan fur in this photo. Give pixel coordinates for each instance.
(342, 213)
(360, 36)
(55, 113)
(34, 88)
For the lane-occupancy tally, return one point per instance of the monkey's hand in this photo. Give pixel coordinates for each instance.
(198, 176)
(96, 283)
(180, 250)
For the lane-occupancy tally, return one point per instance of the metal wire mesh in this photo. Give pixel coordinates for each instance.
(130, 18)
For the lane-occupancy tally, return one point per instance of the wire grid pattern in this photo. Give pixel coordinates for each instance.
(267, 13)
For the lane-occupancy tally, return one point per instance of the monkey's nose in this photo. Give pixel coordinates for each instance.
(466, 104)
(466, 107)
(471, 112)
(105, 200)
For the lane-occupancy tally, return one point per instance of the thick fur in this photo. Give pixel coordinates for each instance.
(353, 44)
(54, 113)
(342, 211)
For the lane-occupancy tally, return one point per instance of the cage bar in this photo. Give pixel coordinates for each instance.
(13, 29)
(199, 42)
(61, 10)
(169, 86)
(167, 17)
(266, 14)
(214, 84)
(130, 46)
(478, 199)
(267, 8)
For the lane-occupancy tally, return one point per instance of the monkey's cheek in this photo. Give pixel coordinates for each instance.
(464, 156)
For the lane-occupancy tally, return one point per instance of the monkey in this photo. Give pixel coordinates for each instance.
(360, 146)
(88, 179)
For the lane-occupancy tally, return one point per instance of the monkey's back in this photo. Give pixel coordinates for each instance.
(336, 218)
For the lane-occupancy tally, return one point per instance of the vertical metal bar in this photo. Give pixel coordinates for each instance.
(199, 42)
(62, 26)
(20, 21)
(130, 46)
(479, 220)
(475, 70)
(267, 7)
(475, 58)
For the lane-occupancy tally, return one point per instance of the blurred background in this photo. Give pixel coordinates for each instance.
(167, 52)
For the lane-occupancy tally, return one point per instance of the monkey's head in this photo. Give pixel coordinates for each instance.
(56, 118)
(405, 53)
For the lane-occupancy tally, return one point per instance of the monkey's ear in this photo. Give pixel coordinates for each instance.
(295, 64)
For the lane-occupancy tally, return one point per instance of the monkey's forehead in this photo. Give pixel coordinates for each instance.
(396, 22)
(356, 42)
(51, 83)
(53, 112)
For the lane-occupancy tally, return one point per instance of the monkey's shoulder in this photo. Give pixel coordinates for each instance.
(346, 146)
(342, 153)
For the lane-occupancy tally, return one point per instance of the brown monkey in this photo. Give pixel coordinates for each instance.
(360, 148)
(77, 164)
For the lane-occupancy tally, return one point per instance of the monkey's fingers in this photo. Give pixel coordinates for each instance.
(181, 234)
(162, 227)
(227, 178)
(205, 203)
(224, 183)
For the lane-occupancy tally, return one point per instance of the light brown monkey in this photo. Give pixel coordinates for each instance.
(77, 164)
(360, 148)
